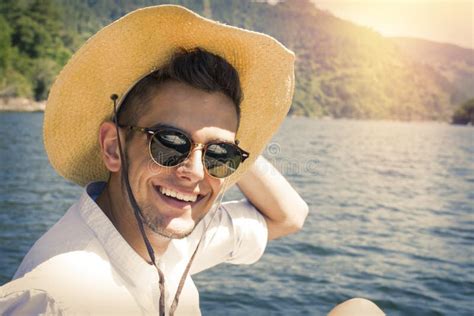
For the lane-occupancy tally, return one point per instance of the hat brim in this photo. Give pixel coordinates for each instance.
(113, 60)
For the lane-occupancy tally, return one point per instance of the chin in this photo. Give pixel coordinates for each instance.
(177, 228)
(174, 234)
(174, 223)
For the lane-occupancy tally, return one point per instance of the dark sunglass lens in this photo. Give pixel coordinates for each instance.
(222, 159)
(169, 148)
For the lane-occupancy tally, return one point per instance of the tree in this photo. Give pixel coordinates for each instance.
(464, 114)
(5, 44)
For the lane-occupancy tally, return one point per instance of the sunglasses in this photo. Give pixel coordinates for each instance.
(169, 147)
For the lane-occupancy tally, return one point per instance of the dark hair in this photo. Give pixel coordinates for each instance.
(197, 68)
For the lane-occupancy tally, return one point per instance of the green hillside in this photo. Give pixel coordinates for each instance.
(342, 70)
(453, 62)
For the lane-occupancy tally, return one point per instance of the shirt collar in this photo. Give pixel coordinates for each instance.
(122, 255)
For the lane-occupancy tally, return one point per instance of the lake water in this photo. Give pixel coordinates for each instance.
(391, 218)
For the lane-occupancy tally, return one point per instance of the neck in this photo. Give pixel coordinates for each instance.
(115, 204)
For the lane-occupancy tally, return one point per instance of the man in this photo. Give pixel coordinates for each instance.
(170, 109)
(158, 114)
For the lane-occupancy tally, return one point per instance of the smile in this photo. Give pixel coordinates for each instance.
(177, 199)
(178, 195)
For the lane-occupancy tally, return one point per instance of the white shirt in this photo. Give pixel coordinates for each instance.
(82, 265)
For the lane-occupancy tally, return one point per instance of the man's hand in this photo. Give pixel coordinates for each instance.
(264, 186)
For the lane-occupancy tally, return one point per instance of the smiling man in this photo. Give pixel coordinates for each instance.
(158, 114)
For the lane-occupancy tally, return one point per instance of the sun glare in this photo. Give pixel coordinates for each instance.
(439, 20)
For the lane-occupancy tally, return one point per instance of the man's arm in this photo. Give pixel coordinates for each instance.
(282, 207)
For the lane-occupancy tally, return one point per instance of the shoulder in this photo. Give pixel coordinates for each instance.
(43, 289)
(227, 220)
(60, 281)
(250, 231)
(27, 302)
(70, 270)
(69, 233)
(232, 221)
(235, 214)
(235, 233)
(75, 267)
(246, 221)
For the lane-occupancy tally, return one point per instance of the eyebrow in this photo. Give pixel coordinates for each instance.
(161, 125)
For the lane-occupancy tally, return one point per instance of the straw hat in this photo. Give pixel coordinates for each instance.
(115, 58)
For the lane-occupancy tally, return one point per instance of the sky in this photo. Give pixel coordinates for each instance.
(448, 21)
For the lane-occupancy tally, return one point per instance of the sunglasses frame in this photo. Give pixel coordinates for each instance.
(150, 132)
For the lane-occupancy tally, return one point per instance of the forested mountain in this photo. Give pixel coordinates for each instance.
(342, 70)
(453, 62)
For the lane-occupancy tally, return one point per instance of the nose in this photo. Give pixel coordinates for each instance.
(192, 168)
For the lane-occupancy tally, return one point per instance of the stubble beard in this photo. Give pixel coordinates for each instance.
(157, 224)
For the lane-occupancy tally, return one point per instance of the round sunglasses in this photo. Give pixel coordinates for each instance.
(169, 147)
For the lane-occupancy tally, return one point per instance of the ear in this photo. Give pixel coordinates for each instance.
(109, 146)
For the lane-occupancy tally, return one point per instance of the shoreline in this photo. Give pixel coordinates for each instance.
(21, 105)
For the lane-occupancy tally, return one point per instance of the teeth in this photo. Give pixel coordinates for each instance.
(178, 195)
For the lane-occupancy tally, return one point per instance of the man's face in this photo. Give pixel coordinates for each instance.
(204, 117)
